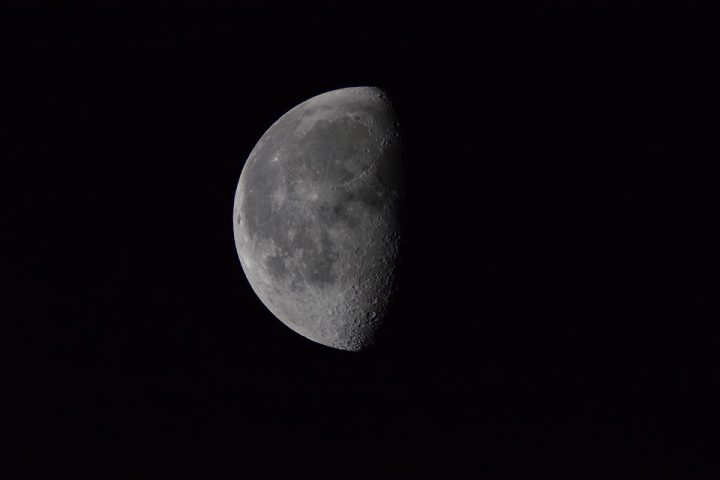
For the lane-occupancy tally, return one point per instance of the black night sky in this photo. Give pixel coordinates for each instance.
(553, 318)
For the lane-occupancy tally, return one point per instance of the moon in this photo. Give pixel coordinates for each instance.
(317, 216)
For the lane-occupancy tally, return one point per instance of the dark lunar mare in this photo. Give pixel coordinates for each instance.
(316, 216)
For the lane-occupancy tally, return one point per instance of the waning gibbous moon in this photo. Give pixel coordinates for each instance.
(316, 216)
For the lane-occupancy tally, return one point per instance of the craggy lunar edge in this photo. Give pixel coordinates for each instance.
(316, 216)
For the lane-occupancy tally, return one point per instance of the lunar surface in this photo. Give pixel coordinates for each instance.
(316, 216)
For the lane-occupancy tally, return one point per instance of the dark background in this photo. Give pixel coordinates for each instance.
(554, 315)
